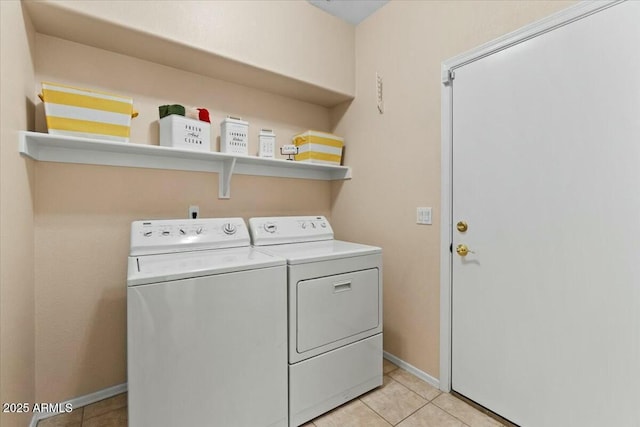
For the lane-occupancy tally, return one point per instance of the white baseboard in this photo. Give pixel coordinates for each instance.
(412, 369)
(80, 401)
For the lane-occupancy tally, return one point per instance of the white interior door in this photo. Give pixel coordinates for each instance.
(546, 173)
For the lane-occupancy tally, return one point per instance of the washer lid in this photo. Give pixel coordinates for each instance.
(299, 253)
(147, 269)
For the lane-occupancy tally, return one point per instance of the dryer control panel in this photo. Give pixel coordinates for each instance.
(289, 229)
(179, 235)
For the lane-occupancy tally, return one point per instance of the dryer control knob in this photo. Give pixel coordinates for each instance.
(270, 227)
(229, 228)
(199, 230)
(303, 225)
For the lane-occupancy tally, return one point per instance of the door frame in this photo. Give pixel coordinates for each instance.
(559, 19)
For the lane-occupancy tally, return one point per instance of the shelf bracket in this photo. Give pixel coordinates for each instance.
(224, 179)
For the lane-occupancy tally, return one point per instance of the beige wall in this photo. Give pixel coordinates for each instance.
(396, 155)
(83, 213)
(291, 38)
(16, 214)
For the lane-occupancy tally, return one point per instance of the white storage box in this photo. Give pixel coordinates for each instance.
(181, 132)
(234, 136)
(318, 147)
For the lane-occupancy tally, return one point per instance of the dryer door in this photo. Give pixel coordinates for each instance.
(332, 308)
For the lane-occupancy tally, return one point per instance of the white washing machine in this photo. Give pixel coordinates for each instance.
(206, 327)
(335, 312)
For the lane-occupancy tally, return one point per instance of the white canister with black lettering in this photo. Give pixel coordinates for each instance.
(234, 136)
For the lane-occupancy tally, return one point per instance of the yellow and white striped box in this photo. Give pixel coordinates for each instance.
(87, 113)
(318, 147)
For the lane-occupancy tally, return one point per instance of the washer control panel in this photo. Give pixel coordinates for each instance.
(289, 229)
(178, 235)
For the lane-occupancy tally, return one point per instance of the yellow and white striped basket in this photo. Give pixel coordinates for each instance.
(318, 147)
(87, 113)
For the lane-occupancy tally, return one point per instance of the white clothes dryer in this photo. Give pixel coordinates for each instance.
(335, 312)
(206, 327)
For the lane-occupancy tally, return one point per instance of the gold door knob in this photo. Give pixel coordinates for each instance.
(463, 250)
(461, 226)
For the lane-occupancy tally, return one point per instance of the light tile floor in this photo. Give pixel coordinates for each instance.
(404, 401)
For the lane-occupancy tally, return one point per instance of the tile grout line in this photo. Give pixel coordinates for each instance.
(85, 418)
(428, 400)
(394, 369)
(375, 412)
(389, 422)
(415, 391)
(484, 411)
(82, 420)
(412, 413)
(447, 412)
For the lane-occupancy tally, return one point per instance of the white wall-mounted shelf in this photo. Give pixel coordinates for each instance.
(67, 149)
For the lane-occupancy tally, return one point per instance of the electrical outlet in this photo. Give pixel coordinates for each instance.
(194, 212)
(379, 97)
(423, 216)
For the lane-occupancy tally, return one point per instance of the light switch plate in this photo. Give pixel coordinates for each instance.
(423, 216)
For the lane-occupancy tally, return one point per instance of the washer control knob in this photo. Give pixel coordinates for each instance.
(323, 224)
(229, 228)
(303, 225)
(182, 232)
(199, 230)
(166, 233)
(313, 225)
(270, 227)
(147, 233)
